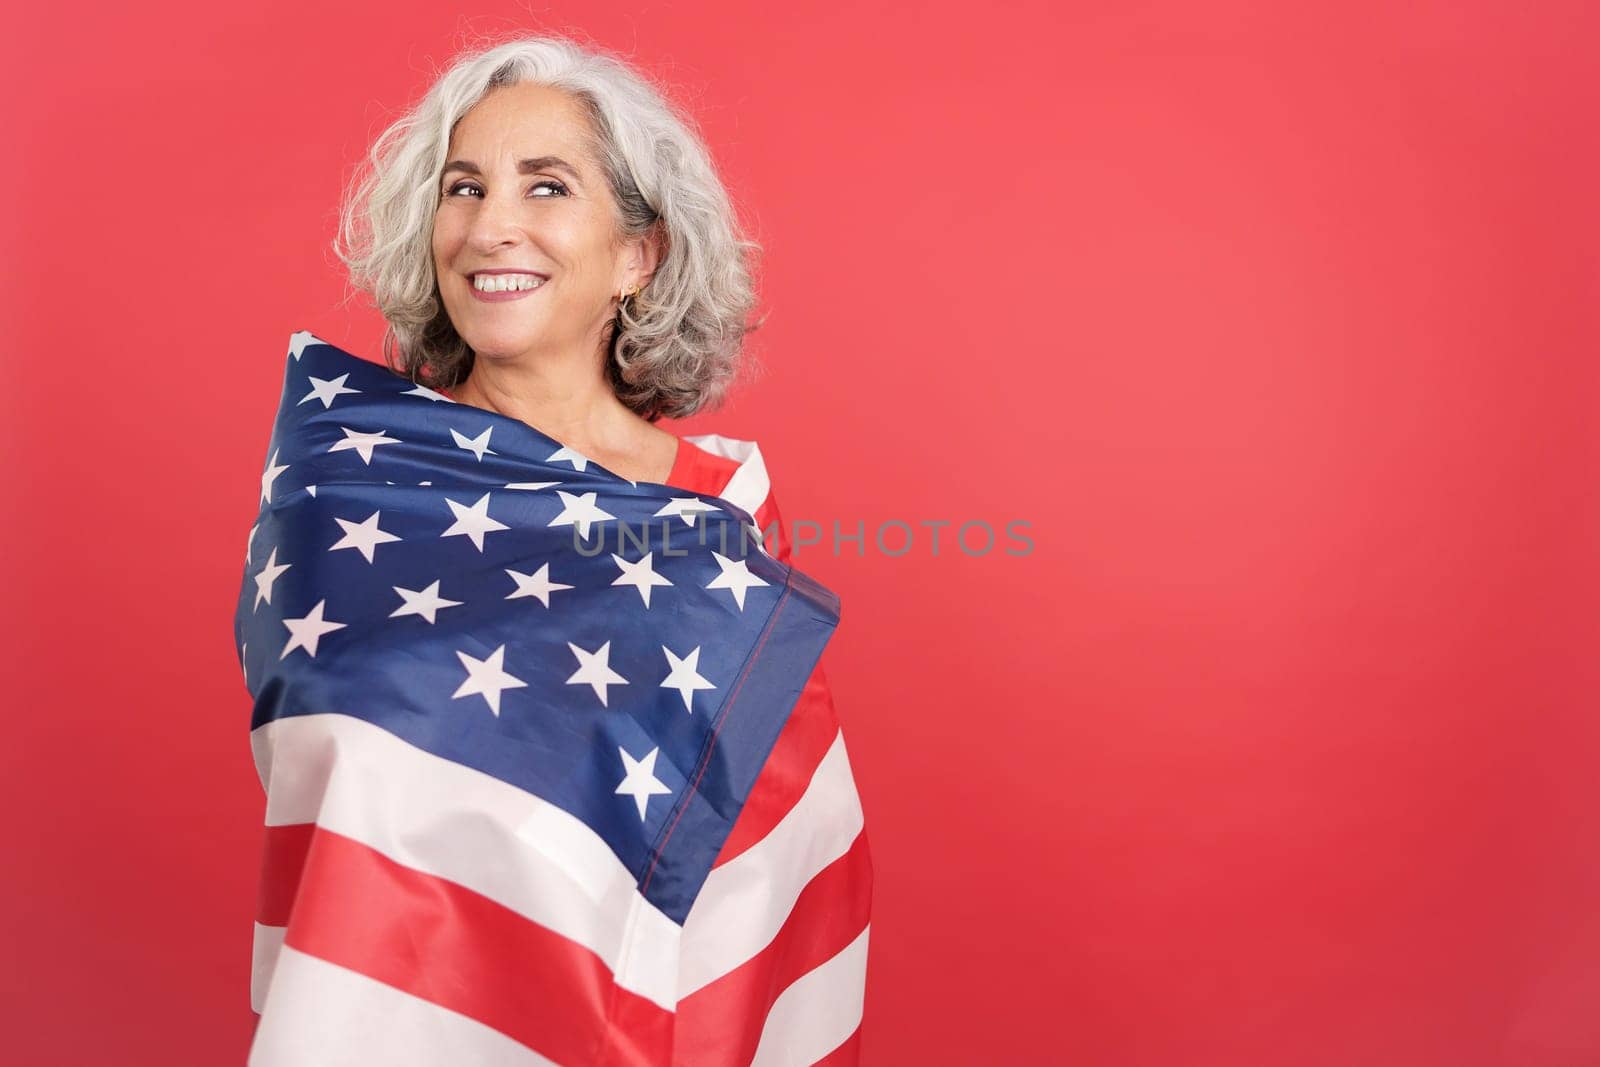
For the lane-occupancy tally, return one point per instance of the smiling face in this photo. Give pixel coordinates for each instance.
(520, 193)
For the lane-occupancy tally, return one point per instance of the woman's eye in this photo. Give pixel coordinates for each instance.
(560, 190)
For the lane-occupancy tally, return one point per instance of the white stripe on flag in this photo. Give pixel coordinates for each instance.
(324, 1015)
(517, 849)
(818, 1011)
(745, 901)
(264, 949)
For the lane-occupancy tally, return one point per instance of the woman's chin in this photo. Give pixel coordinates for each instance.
(495, 345)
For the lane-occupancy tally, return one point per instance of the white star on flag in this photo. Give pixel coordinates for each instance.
(476, 445)
(487, 678)
(735, 577)
(473, 521)
(537, 584)
(685, 676)
(267, 576)
(596, 670)
(530, 485)
(249, 540)
(640, 781)
(577, 459)
(580, 511)
(298, 341)
(363, 535)
(363, 443)
(641, 575)
(326, 389)
(688, 507)
(270, 475)
(424, 602)
(423, 390)
(308, 631)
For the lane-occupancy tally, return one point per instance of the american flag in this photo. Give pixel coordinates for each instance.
(551, 771)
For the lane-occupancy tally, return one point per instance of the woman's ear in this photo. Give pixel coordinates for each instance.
(645, 256)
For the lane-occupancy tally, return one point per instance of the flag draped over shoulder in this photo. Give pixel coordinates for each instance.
(507, 709)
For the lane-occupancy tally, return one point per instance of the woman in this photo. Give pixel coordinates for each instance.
(551, 247)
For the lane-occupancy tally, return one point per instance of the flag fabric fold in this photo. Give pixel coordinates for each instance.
(508, 707)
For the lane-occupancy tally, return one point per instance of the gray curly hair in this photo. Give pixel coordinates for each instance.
(678, 349)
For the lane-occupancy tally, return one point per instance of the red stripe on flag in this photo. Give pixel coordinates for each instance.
(283, 856)
(448, 945)
(722, 1022)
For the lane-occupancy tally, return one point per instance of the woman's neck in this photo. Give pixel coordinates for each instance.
(582, 413)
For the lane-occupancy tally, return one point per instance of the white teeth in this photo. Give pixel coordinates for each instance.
(495, 283)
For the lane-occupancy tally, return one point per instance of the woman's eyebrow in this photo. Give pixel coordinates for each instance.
(524, 166)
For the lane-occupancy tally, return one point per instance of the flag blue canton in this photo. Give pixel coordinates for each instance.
(624, 650)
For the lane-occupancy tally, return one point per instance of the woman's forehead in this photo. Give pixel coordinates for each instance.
(523, 120)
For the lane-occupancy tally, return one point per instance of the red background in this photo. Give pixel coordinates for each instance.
(1278, 327)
